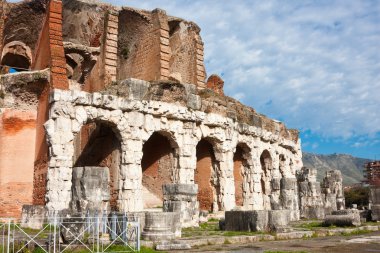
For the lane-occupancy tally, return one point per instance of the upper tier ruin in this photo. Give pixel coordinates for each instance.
(126, 90)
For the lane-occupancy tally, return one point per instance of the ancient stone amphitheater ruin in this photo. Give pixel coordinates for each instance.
(111, 109)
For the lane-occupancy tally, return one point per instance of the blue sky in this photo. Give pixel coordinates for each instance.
(314, 65)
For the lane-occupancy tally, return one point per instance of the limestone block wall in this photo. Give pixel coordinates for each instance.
(135, 120)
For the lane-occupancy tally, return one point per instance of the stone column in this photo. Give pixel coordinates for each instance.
(226, 180)
(59, 174)
(187, 155)
(130, 186)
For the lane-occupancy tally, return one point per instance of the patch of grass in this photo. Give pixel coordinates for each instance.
(371, 223)
(357, 232)
(285, 251)
(213, 220)
(211, 228)
(311, 225)
(237, 233)
(226, 241)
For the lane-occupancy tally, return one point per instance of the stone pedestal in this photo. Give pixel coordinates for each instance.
(90, 189)
(182, 198)
(33, 216)
(158, 226)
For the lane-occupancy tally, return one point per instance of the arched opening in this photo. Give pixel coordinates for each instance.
(266, 167)
(80, 61)
(159, 163)
(16, 55)
(207, 177)
(240, 167)
(282, 165)
(97, 147)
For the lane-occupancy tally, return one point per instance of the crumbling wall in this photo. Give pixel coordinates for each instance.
(85, 25)
(311, 205)
(24, 22)
(183, 40)
(138, 45)
(332, 191)
(19, 94)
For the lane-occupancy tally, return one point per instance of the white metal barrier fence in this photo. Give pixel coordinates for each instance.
(106, 233)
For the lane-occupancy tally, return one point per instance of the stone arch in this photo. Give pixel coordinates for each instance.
(282, 165)
(159, 165)
(266, 167)
(241, 173)
(17, 55)
(98, 144)
(207, 175)
(80, 60)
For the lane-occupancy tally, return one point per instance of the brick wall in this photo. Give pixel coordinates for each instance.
(238, 176)
(203, 174)
(17, 127)
(57, 53)
(1, 25)
(110, 47)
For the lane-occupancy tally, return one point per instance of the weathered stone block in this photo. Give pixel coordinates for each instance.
(288, 183)
(90, 189)
(33, 216)
(246, 220)
(348, 217)
(375, 212)
(278, 219)
(375, 195)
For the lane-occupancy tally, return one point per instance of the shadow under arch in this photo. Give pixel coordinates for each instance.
(207, 175)
(17, 55)
(98, 144)
(159, 166)
(240, 171)
(266, 167)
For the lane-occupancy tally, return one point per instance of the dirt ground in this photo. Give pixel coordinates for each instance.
(338, 244)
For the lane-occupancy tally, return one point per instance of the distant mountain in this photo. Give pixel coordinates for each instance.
(351, 167)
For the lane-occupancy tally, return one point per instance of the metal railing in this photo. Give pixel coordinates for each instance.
(98, 233)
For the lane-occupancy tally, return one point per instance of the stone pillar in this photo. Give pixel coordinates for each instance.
(58, 60)
(375, 202)
(289, 197)
(187, 155)
(182, 198)
(309, 191)
(332, 189)
(130, 186)
(59, 173)
(226, 180)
